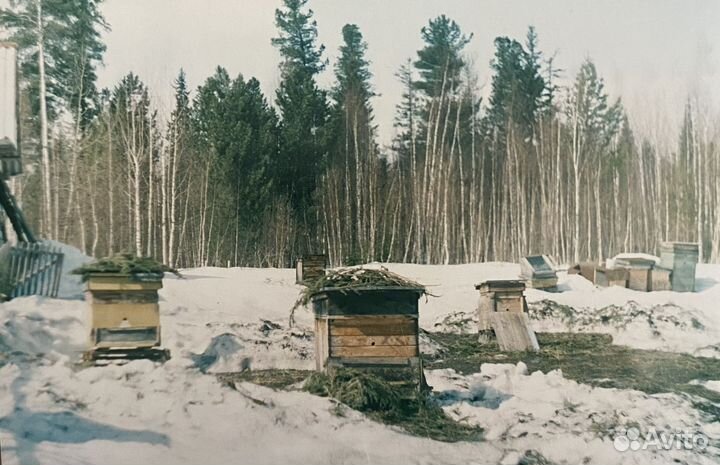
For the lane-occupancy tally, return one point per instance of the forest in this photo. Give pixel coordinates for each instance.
(233, 177)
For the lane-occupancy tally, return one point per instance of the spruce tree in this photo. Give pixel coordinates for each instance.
(302, 105)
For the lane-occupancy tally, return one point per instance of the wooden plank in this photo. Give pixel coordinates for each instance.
(374, 330)
(131, 297)
(368, 321)
(374, 351)
(321, 344)
(399, 362)
(513, 332)
(358, 341)
(110, 285)
(509, 303)
(113, 315)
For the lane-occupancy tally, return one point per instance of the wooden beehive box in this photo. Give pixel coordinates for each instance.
(584, 269)
(606, 277)
(310, 267)
(681, 258)
(124, 310)
(502, 313)
(368, 327)
(639, 272)
(660, 279)
(499, 296)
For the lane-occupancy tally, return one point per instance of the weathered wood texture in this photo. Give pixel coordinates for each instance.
(310, 267)
(513, 332)
(639, 279)
(499, 296)
(584, 269)
(502, 311)
(660, 279)
(371, 327)
(681, 258)
(34, 269)
(607, 277)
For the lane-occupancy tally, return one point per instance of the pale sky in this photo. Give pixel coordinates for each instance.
(650, 52)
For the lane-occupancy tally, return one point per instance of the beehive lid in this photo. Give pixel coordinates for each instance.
(502, 284)
(691, 247)
(537, 266)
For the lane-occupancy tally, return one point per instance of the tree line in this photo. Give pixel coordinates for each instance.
(234, 178)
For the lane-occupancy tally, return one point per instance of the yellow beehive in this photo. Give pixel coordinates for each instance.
(124, 310)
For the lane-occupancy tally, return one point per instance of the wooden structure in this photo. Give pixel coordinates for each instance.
(32, 269)
(606, 277)
(310, 267)
(681, 259)
(502, 312)
(124, 316)
(584, 269)
(660, 279)
(367, 327)
(538, 272)
(639, 272)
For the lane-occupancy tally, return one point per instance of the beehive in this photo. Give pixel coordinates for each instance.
(681, 258)
(639, 272)
(502, 314)
(124, 310)
(499, 296)
(538, 272)
(606, 277)
(584, 269)
(310, 267)
(369, 327)
(660, 279)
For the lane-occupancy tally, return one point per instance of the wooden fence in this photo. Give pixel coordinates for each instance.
(35, 269)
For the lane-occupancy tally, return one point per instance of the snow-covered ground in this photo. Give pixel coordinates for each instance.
(216, 320)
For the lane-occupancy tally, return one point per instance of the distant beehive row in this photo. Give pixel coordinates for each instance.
(675, 271)
(378, 326)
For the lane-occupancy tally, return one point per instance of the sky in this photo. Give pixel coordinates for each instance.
(652, 53)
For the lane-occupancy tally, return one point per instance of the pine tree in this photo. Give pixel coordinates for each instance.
(440, 61)
(354, 147)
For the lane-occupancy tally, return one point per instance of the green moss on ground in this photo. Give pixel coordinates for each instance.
(591, 359)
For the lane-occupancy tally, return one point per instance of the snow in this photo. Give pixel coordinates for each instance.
(217, 320)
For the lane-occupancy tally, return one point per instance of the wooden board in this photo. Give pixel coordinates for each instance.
(359, 341)
(114, 297)
(113, 284)
(508, 303)
(374, 351)
(128, 315)
(639, 279)
(321, 344)
(513, 332)
(660, 279)
(373, 327)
